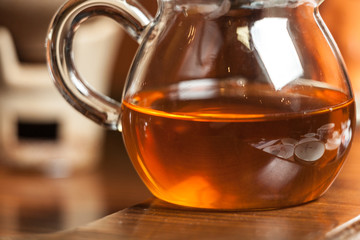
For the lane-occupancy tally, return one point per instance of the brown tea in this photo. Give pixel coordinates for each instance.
(247, 146)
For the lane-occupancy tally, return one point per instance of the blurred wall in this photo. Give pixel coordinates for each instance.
(343, 20)
(27, 28)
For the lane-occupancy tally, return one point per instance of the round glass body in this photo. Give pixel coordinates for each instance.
(229, 104)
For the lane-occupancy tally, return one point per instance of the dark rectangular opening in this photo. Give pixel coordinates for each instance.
(44, 131)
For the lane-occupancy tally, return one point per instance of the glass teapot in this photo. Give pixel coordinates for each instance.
(229, 104)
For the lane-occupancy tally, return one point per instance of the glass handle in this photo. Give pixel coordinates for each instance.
(94, 105)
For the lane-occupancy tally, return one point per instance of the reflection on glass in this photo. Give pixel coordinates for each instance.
(271, 38)
(310, 147)
(243, 35)
(197, 89)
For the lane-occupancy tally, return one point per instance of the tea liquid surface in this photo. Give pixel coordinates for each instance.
(238, 148)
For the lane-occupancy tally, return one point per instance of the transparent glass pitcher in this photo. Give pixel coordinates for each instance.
(229, 104)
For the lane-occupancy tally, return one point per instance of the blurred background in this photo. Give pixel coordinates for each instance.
(58, 170)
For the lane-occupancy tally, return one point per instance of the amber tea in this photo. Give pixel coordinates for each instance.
(245, 147)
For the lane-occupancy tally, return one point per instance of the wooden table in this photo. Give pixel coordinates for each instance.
(334, 216)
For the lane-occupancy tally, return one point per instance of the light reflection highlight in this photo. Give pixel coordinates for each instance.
(277, 52)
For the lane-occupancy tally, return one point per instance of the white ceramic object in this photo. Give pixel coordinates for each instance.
(27, 95)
